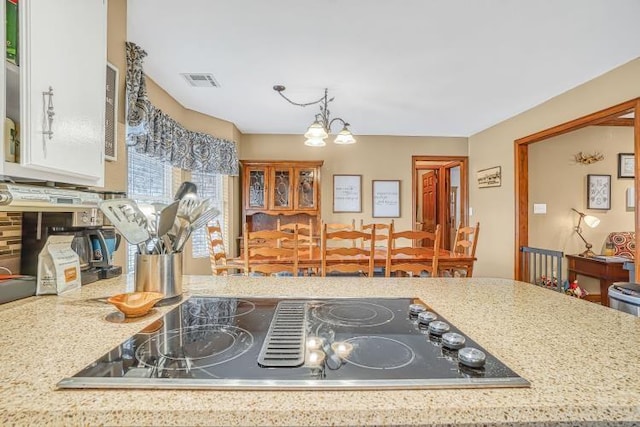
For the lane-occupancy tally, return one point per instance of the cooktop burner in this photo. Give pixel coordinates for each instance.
(264, 343)
(353, 313)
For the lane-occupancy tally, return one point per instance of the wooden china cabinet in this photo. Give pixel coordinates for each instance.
(286, 189)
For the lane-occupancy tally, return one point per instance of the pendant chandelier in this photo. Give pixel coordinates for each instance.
(321, 127)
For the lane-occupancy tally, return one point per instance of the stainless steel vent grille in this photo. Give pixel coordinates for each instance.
(285, 341)
(200, 79)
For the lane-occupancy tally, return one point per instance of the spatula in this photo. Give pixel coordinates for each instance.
(200, 221)
(127, 218)
(167, 218)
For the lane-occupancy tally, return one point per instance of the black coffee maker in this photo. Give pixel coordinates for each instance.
(85, 226)
(104, 243)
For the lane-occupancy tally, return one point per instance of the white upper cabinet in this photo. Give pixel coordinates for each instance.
(62, 74)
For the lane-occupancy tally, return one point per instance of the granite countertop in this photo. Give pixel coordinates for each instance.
(582, 359)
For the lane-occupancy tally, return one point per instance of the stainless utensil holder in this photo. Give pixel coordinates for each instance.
(159, 273)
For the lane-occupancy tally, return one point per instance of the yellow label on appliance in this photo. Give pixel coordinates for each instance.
(70, 274)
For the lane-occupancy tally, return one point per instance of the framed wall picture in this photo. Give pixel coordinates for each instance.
(386, 199)
(347, 193)
(491, 177)
(598, 191)
(626, 165)
(111, 114)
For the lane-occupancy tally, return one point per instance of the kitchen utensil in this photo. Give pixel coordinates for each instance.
(188, 205)
(167, 219)
(127, 218)
(135, 304)
(159, 273)
(202, 206)
(185, 188)
(200, 221)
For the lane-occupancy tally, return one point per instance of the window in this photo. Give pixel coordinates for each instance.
(150, 180)
(210, 186)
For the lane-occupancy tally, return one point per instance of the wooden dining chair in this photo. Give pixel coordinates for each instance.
(336, 226)
(307, 247)
(340, 256)
(412, 259)
(220, 264)
(305, 236)
(381, 232)
(465, 244)
(277, 253)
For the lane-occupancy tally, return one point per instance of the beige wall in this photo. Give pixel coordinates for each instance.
(116, 172)
(556, 180)
(495, 207)
(373, 157)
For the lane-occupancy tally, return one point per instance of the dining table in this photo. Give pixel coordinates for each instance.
(312, 259)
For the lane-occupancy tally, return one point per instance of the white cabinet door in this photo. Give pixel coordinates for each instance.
(65, 51)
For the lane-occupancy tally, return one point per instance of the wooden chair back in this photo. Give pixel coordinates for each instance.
(305, 236)
(277, 246)
(398, 252)
(466, 240)
(381, 231)
(336, 226)
(465, 243)
(340, 255)
(217, 253)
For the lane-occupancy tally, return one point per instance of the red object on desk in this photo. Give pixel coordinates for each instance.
(606, 272)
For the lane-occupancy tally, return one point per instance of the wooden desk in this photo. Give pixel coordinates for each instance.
(606, 272)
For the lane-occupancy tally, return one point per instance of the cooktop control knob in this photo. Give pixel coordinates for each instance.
(453, 341)
(471, 357)
(415, 309)
(426, 317)
(438, 327)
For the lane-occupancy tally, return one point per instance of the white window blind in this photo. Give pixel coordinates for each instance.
(149, 180)
(210, 186)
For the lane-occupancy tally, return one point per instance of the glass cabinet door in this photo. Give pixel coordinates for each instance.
(281, 196)
(257, 188)
(306, 189)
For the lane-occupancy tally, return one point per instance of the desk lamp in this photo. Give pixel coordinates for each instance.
(592, 222)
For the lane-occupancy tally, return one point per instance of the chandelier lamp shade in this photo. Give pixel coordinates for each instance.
(592, 222)
(320, 129)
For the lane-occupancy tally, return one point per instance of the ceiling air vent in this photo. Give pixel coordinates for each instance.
(200, 79)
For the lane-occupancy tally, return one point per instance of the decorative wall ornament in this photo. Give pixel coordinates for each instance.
(587, 159)
(154, 133)
(490, 177)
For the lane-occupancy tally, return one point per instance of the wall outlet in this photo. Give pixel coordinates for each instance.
(539, 208)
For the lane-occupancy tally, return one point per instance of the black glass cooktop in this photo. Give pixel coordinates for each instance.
(264, 343)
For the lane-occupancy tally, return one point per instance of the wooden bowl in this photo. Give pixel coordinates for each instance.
(135, 304)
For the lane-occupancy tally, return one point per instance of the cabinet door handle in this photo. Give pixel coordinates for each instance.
(49, 111)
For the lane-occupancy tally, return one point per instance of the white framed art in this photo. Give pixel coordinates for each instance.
(386, 198)
(347, 193)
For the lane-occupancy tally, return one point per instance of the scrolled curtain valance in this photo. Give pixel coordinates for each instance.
(155, 133)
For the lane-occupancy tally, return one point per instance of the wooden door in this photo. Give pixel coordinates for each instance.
(429, 200)
(453, 208)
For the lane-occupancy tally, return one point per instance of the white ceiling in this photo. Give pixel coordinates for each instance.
(403, 67)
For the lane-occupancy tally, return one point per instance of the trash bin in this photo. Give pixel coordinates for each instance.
(631, 268)
(625, 296)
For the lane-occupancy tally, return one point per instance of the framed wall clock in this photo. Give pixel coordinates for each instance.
(598, 192)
